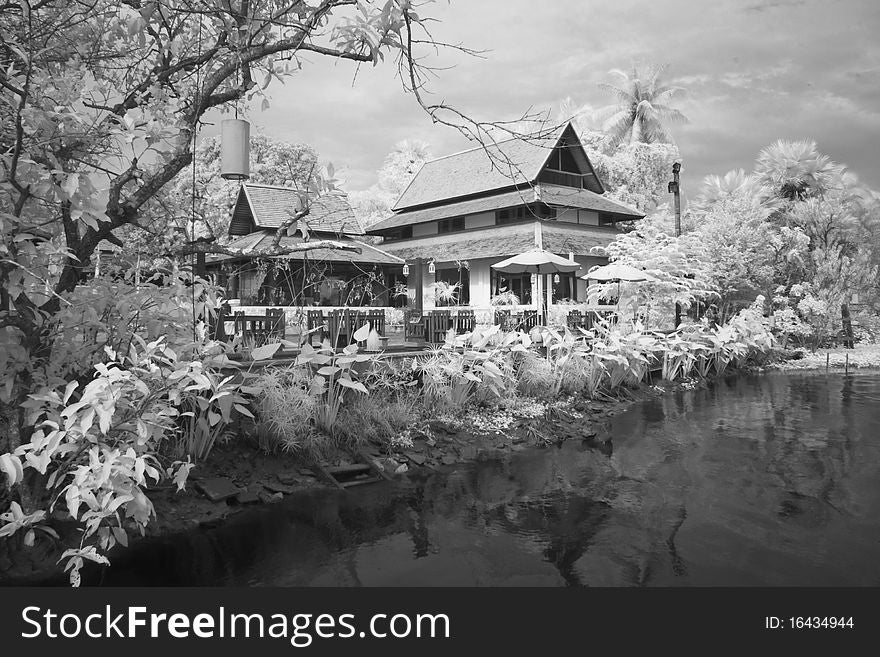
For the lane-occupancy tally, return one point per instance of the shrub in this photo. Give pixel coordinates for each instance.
(285, 409)
(98, 449)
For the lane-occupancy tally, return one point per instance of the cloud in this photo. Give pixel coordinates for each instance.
(754, 74)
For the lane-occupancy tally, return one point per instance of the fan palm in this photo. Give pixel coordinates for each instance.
(796, 170)
(643, 109)
(733, 184)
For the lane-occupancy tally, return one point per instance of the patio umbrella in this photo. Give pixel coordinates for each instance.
(619, 272)
(536, 261)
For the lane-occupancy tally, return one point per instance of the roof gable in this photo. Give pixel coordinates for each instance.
(506, 164)
(266, 206)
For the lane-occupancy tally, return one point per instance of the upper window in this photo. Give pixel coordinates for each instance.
(399, 234)
(524, 213)
(450, 225)
(562, 159)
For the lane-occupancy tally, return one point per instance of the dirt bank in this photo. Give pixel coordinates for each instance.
(241, 476)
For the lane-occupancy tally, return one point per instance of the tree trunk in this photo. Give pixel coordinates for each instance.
(849, 343)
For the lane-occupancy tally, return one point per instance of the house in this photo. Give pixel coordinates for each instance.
(464, 212)
(325, 277)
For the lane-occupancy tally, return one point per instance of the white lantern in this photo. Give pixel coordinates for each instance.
(235, 149)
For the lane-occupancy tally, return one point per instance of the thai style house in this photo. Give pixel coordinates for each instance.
(464, 212)
(320, 277)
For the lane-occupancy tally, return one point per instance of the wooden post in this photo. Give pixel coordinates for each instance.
(827, 362)
(675, 190)
(846, 366)
(419, 284)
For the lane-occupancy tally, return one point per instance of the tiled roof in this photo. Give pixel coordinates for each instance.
(330, 212)
(262, 239)
(554, 195)
(561, 238)
(498, 241)
(584, 199)
(475, 171)
(473, 206)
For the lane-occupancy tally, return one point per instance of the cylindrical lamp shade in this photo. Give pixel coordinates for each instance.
(235, 149)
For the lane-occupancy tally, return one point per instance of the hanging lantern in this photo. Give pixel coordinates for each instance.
(405, 269)
(235, 149)
(431, 267)
(555, 278)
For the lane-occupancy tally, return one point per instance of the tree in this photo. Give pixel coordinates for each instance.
(272, 162)
(795, 170)
(683, 266)
(734, 183)
(633, 173)
(398, 169)
(643, 109)
(638, 173)
(101, 106)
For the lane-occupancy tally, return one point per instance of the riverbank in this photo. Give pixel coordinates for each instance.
(862, 356)
(249, 478)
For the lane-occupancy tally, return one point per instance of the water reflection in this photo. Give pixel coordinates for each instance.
(765, 480)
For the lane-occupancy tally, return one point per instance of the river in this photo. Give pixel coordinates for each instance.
(770, 480)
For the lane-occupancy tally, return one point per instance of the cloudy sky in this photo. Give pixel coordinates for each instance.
(755, 72)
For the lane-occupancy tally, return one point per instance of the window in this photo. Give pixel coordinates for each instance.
(450, 225)
(399, 234)
(519, 284)
(458, 277)
(605, 218)
(524, 213)
(566, 288)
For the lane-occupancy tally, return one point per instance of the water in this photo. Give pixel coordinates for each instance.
(769, 480)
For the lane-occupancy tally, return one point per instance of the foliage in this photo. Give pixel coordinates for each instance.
(505, 299)
(637, 174)
(272, 162)
(477, 369)
(643, 109)
(334, 375)
(285, 409)
(398, 169)
(100, 448)
(683, 266)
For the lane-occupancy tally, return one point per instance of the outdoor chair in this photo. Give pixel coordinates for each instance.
(464, 321)
(529, 320)
(315, 320)
(438, 323)
(277, 324)
(376, 320)
(500, 316)
(413, 326)
(254, 330)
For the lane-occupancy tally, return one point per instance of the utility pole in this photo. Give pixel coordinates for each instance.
(675, 190)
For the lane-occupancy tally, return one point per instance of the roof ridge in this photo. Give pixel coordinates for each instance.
(556, 134)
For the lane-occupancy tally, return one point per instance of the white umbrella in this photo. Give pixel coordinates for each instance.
(619, 272)
(536, 261)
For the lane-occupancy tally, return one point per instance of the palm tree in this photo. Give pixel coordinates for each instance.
(643, 109)
(734, 183)
(796, 170)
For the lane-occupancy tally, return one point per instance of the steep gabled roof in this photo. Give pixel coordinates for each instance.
(553, 195)
(569, 197)
(481, 243)
(457, 209)
(482, 170)
(268, 206)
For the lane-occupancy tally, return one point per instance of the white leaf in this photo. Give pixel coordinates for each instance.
(265, 352)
